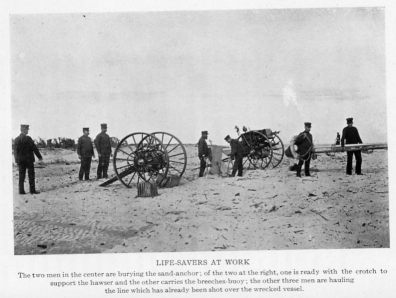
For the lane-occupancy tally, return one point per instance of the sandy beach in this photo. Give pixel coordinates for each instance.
(263, 210)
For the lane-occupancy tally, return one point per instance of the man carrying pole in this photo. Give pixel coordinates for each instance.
(350, 135)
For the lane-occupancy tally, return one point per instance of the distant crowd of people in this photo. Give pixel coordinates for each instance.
(25, 150)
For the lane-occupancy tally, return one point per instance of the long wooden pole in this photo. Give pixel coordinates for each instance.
(350, 147)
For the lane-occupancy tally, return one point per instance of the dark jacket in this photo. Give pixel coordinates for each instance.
(24, 149)
(84, 147)
(203, 149)
(103, 144)
(304, 143)
(350, 135)
(236, 149)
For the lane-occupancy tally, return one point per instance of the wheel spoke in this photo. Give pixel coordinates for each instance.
(124, 152)
(133, 137)
(171, 161)
(168, 142)
(176, 154)
(175, 169)
(173, 148)
(130, 146)
(134, 173)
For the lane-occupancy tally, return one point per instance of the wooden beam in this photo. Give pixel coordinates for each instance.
(350, 147)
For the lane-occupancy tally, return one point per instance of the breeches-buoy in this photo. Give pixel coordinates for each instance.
(291, 149)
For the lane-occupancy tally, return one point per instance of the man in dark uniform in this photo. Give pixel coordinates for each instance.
(203, 152)
(103, 146)
(85, 152)
(350, 135)
(305, 149)
(24, 156)
(236, 155)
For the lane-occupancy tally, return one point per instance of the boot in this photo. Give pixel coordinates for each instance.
(33, 190)
(21, 189)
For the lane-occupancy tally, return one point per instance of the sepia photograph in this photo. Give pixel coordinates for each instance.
(199, 130)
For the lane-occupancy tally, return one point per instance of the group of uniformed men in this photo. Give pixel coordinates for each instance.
(306, 149)
(304, 143)
(205, 156)
(25, 149)
(85, 153)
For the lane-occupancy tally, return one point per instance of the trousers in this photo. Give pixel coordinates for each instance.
(103, 166)
(22, 167)
(358, 157)
(202, 167)
(85, 168)
(238, 166)
(306, 163)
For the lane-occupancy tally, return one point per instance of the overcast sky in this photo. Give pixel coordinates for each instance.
(184, 72)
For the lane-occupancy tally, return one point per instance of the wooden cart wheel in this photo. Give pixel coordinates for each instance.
(140, 156)
(278, 150)
(177, 155)
(257, 149)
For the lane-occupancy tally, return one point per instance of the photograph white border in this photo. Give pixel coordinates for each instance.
(348, 258)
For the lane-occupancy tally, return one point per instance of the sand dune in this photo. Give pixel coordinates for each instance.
(265, 209)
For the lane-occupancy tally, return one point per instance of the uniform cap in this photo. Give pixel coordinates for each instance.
(204, 132)
(85, 128)
(24, 126)
(308, 124)
(349, 120)
(227, 137)
(103, 125)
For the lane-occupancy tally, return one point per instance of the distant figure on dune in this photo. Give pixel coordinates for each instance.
(85, 152)
(203, 152)
(338, 139)
(25, 149)
(350, 135)
(236, 155)
(103, 146)
(305, 149)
